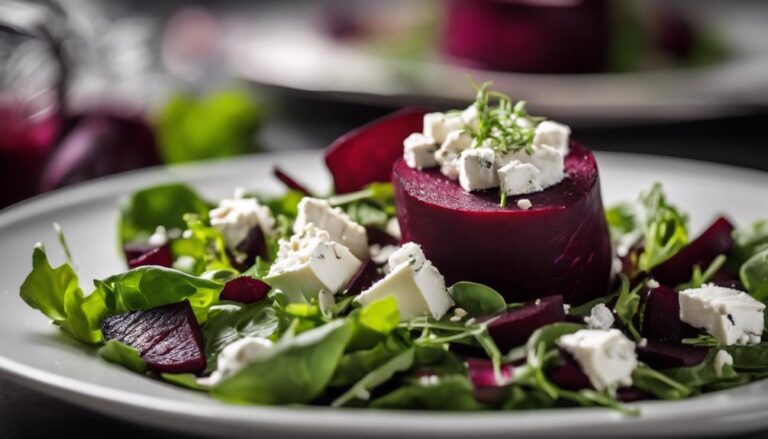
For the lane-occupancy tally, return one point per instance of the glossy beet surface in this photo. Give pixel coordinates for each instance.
(155, 256)
(665, 355)
(716, 240)
(513, 328)
(569, 375)
(661, 316)
(366, 154)
(486, 388)
(244, 289)
(558, 246)
(167, 337)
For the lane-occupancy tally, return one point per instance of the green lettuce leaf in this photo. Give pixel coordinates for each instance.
(754, 275)
(665, 229)
(295, 371)
(163, 205)
(355, 365)
(56, 293)
(229, 322)
(124, 355)
(152, 286)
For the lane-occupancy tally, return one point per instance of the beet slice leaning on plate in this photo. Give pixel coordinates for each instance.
(366, 155)
(167, 337)
(558, 246)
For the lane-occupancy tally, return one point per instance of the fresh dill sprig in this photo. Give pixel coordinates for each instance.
(505, 127)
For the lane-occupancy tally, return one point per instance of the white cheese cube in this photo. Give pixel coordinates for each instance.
(417, 286)
(554, 134)
(235, 218)
(551, 165)
(238, 354)
(450, 151)
(438, 125)
(607, 358)
(310, 262)
(469, 116)
(419, 151)
(731, 316)
(476, 169)
(517, 178)
(336, 222)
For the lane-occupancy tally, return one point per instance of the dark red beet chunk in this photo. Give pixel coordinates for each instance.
(254, 244)
(156, 256)
(631, 394)
(569, 376)
(569, 37)
(380, 237)
(289, 181)
(167, 337)
(133, 251)
(366, 276)
(513, 328)
(366, 155)
(665, 355)
(715, 241)
(244, 289)
(661, 319)
(559, 246)
(486, 389)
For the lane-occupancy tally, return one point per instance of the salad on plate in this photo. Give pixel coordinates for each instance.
(464, 262)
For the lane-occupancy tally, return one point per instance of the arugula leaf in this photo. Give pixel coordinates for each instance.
(381, 193)
(56, 293)
(627, 305)
(163, 205)
(750, 358)
(124, 355)
(152, 286)
(477, 299)
(362, 389)
(749, 241)
(452, 392)
(355, 365)
(366, 214)
(521, 398)
(187, 380)
(699, 278)
(221, 124)
(229, 322)
(625, 226)
(701, 375)
(203, 243)
(658, 384)
(665, 229)
(754, 275)
(381, 316)
(295, 371)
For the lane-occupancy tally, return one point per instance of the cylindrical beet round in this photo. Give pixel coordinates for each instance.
(558, 246)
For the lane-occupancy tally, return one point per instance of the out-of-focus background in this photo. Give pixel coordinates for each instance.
(90, 88)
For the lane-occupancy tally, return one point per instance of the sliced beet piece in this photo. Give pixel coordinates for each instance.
(380, 237)
(134, 250)
(665, 355)
(486, 389)
(366, 155)
(631, 394)
(244, 289)
(715, 241)
(559, 246)
(156, 256)
(569, 375)
(254, 244)
(167, 337)
(513, 328)
(289, 181)
(661, 316)
(365, 276)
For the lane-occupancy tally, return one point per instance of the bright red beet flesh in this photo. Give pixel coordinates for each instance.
(244, 289)
(167, 337)
(486, 388)
(513, 328)
(665, 355)
(661, 318)
(716, 240)
(559, 246)
(366, 155)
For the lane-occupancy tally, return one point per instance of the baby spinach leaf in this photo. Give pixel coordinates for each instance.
(362, 389)
(229, 322)
(152, 286)
(452, 392)
(750, 358)
(187, 380)
(124, 355)
(163, 205)
(295, 371)
(754, 275)
(701, 375)
(355, 365)
(477, 299)
(56, 293)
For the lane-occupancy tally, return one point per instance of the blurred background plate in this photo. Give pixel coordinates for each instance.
(307, 47)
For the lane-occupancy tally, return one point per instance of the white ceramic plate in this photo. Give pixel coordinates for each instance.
(284, 45)
(36, 354)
